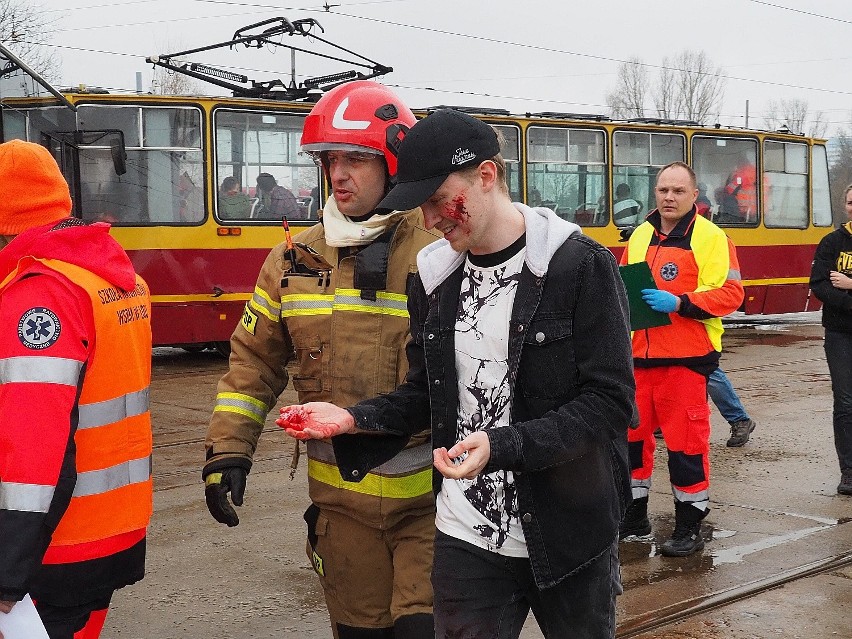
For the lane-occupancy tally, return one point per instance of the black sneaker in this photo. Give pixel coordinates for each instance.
(685, 541)
(740, 432)
(845, 485)
(635, 523)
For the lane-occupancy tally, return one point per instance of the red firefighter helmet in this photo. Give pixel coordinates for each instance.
(358, 116)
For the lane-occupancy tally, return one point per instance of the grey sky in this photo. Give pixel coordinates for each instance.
(522, 55)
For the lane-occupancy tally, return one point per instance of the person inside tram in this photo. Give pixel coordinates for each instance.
(738, 197)
(703, 204)
(625, 210)
(274, 201)
(233, 203)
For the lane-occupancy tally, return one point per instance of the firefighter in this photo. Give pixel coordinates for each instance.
(337, 299)
(75, 428)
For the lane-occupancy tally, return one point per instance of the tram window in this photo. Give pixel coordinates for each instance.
(566, 168)
(726, 168)
(821, 197)
(251, 143)
(164, 183)
(637, 158)
(30, 124)
(14, 125)
(126, 119)
(785, 184)
(171, 128)
(510, 149)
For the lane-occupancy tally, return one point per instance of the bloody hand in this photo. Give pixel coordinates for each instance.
(315, 420)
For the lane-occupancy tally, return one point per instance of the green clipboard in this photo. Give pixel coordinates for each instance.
(637, 277)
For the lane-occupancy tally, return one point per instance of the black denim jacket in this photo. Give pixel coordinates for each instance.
(572, 386)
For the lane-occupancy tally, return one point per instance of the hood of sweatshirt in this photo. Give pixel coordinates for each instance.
(88, 246)
(546, 232)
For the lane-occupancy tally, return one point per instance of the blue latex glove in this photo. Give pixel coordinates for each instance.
(661, 301)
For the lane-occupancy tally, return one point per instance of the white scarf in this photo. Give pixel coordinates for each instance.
(342, 231)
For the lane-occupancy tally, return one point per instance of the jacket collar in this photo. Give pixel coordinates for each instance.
(681, 229)
(546, 232)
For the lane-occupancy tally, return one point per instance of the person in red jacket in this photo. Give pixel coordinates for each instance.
(75, 428)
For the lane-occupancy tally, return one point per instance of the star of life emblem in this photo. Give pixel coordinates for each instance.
(38, 328)
(668, 271)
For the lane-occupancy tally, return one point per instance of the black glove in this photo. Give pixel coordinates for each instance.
(217, 485)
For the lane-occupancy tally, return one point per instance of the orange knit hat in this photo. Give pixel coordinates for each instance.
(32, 189)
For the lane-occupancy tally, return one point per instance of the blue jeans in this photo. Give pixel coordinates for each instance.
(482, 595)
(725, 397)
(838, 355)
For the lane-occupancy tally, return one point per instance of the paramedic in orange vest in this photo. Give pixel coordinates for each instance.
(75, 429)
(697, 276)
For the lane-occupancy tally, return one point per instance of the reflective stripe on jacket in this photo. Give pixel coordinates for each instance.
(113, 491)
(344, 314)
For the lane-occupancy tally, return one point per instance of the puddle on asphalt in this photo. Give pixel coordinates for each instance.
(737, 553)
(774, 339)
(639, 550)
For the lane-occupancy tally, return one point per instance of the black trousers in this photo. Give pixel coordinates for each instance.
(483, 595)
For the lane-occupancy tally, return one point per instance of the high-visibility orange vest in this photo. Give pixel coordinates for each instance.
(113, 495)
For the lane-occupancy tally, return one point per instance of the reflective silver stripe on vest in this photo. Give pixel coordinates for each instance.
(46, 370)
(734, 274)
(407, 461)
(29, 498)
(114, 410)
(97, 482)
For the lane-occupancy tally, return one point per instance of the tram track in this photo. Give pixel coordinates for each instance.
(677, 612)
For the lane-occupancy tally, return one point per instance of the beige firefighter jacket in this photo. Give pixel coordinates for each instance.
(349, 342)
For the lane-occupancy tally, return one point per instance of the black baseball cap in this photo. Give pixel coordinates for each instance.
(443, 142)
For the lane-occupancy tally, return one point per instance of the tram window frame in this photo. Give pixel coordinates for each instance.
(820, 187)
(784, 176)
(589, 211)
(180, 200)
(641, 183)
(300, 166)
(723, 197)
(513, 160)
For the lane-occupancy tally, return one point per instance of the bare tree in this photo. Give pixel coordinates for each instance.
(627, 100)
(166, 82)
(699, 86)
(665, 91)
(26, 28)
(794, 114)
(840, 170)
(688, 86)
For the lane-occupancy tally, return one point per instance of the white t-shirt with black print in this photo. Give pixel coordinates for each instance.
(484, 511)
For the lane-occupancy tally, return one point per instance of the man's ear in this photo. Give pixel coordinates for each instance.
(488, 175)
